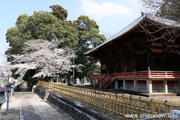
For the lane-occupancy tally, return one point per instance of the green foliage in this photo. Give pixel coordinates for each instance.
(59, 12)
(170, 9)
(88, 38)
(41, 25)
(81, 35)
(28, 77)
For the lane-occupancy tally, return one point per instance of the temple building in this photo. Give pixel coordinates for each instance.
(142, 57)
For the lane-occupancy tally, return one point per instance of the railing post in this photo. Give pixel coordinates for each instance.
(49, 86)
(91, 98)
(116, 111)
(113, 103)
(152, 106)
(140, 106)
(149, 74)
(100, 86)
(104, 103)
(166, 76)
(123, 108)
(109, 103)
(166, 106)
(166, 109)
(99, 101)
(95, 100)
(87, 97)
(131, 104)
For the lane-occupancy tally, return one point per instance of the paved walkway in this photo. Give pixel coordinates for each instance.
(28, 106)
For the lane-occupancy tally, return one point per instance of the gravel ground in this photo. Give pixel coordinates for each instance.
(172, 99)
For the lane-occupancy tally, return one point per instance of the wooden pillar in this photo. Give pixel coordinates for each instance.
(165, 86)
(178, 85)
(135, 85)
(149, 89)
(124, 84)
(116, 84)
(147, 86)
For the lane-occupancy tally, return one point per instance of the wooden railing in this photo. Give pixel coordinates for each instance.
(101, 80)
(115, 105)
(97, 76)
(44, 84)
(143, 75)
(164, 74)
(138, 74)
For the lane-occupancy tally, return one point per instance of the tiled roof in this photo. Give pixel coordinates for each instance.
(134, 24)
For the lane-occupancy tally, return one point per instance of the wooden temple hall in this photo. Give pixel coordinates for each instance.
(142, 57)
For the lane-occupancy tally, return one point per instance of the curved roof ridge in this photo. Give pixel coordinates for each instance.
(162, 20)
(159, 20)
(126, 29)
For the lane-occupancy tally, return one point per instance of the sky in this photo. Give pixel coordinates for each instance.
(111, 15)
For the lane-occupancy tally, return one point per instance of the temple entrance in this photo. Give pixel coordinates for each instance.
(120, 83)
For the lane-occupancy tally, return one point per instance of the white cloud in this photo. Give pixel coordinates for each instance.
(104, 9)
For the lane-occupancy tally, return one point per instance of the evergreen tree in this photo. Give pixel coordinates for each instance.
(59, 12)
(88, 38)
(41, 25)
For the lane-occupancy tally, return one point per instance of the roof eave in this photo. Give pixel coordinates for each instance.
(119, 34)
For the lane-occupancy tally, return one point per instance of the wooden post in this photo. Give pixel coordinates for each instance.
(124, 84)
(135, 85)
(140, 105)
(165, 86)
(91, 99)
(94, 84)
(100, 86)
(116, 84)
(123, 110)
(178, 86)
(149, 86)
(99, 101)
(116, 111)
(152, 106)
(109, 104)
(149, 74)
(104, 103)
(131, 104)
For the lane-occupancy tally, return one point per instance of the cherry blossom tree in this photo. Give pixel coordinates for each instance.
(43, 56)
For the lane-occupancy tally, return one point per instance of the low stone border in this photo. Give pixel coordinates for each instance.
(72, 108)
(40, 91)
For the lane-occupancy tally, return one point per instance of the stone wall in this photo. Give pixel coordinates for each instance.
(40, 92)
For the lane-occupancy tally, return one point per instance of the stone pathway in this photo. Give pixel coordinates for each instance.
(28, 106)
